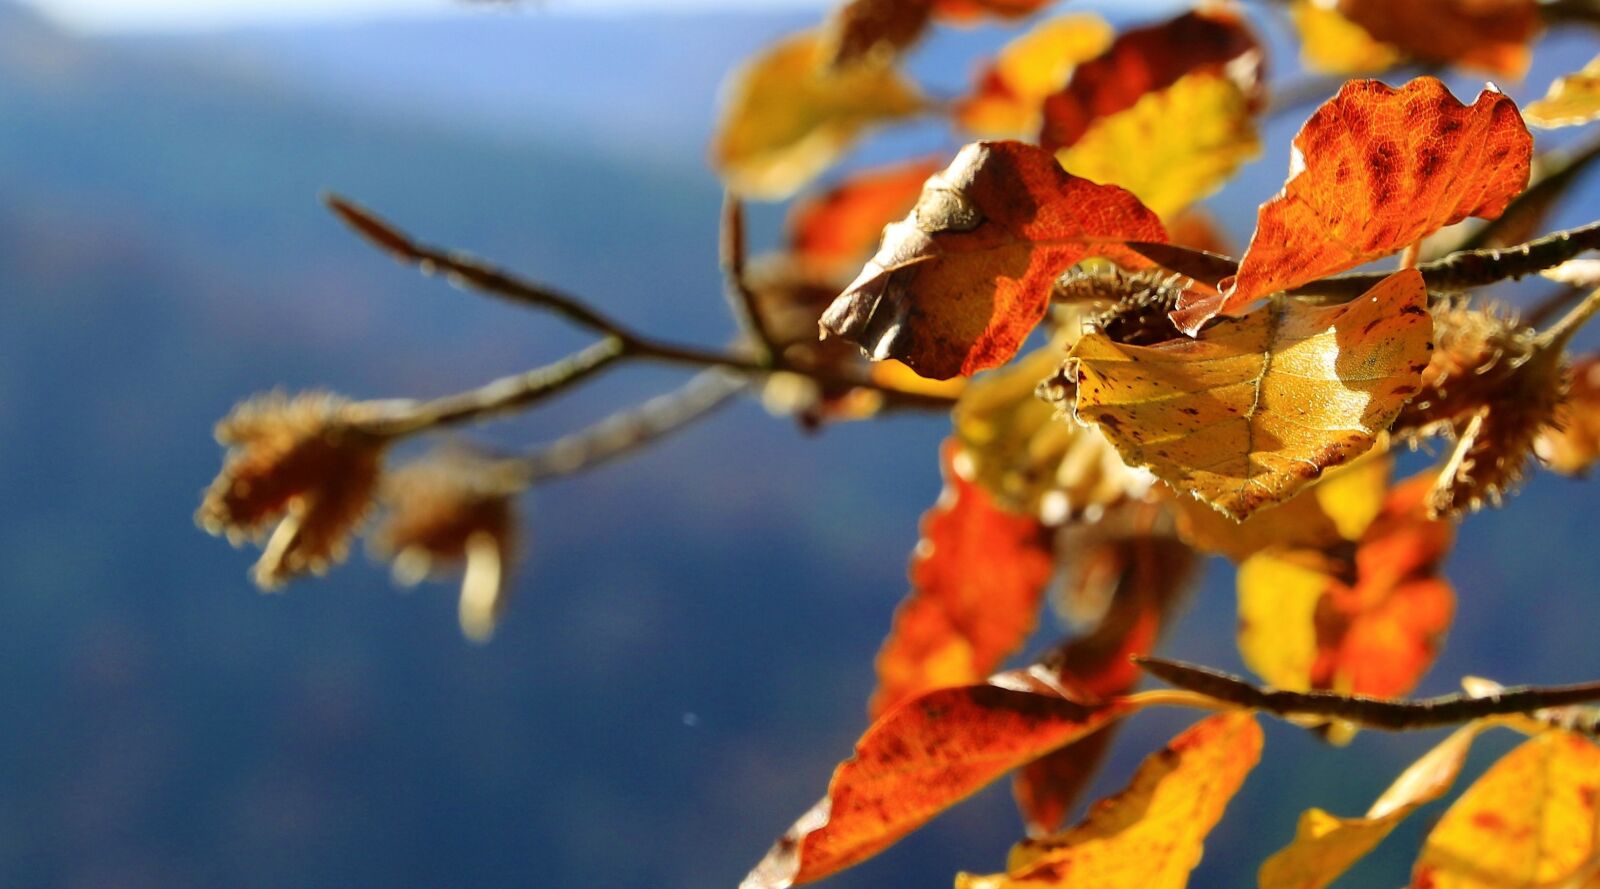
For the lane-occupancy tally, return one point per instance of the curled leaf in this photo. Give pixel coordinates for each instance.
(1007, 99)
(1144, 60)
(1257, 407)
(788, 115)
(1573, 99)
(1151, 834)
(919, 759)
(1325, 846)
(977, 576)
(1530, 821)
(1375, 170)
(959, 283)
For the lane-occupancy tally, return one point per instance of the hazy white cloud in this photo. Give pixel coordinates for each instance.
(203, 14)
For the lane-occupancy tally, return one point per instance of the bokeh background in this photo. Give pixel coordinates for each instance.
(690, 650)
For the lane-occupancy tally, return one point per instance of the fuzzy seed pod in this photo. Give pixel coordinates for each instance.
(454, 508)
(300, 463)
(1572, 445)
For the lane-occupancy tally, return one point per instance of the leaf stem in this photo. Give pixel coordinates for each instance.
(742, 299)
(1556, 337)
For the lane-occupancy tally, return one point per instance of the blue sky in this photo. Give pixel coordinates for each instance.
(201, 14)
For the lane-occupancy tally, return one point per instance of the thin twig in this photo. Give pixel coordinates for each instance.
(1472, 268)
(1558, 301)
(1377, 713)
(390, 419)
(629, 430)
(741, 299)
(474, 273)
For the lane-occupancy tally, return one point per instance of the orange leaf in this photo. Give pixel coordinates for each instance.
(1375, 170)
(1148, 573)
(1368, 623)
(918, 760)
(1151, 834)
(976, 578)
(1325, 846)
(1148, 59)
(842, 225)
(1529, 821)
(1489, 34)
(959, 283)
(1007, 98)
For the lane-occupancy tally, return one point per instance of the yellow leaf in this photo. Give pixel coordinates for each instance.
(1026, 458)
(1174, 146)
(1337, 507)
(1325, 845)
(788, 115)
(1151, 834)
(1529, 821)
(1572, 100)
(1332, 44)
(1278, 597)
(1254, 408)
(1009, 96)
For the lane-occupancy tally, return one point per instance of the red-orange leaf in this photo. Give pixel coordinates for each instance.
(843, 224)
(1375, 170)
(1148, 573)
(921, 758)
(1487, 34)
(1365, 623)
(959, 283)
(1148, 59)
(976, 578)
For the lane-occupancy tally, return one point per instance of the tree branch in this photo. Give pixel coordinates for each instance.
(1470, 268)
(1377, 713)
(741, 299)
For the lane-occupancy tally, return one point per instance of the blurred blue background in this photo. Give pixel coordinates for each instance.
(690, 650)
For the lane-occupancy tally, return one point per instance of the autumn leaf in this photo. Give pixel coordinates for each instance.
(1173, 146)
(1572, 446)
(1028, 460)
(1530, 821)
(1259, 406)
(1492, 35)
(959, 283)
(1009, 94)
(1573, 99)
(1151, 834)
(977, 577)
(1325, 846)
(1145, 60)
(1337, 507)
(1332, 44)
(1368, 622)
(920, 758)
(843, 224)
(1375, 170)
(788, 115)
(882, 29)
(1139, 573)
